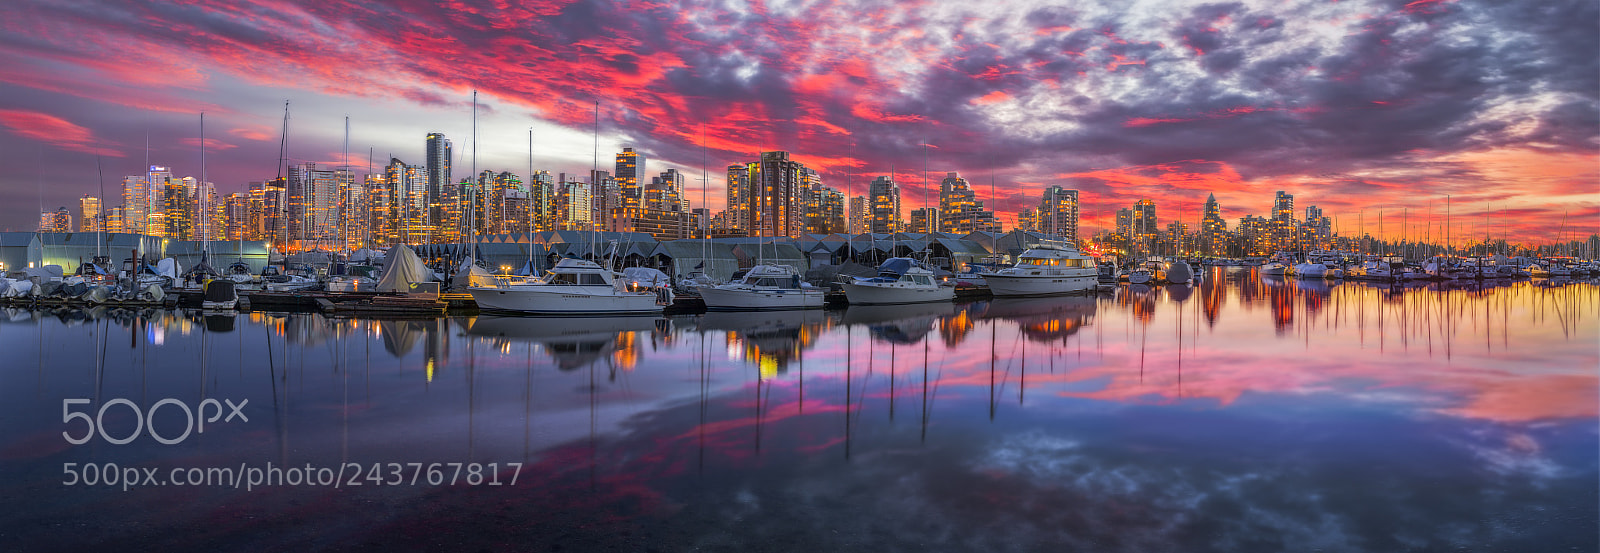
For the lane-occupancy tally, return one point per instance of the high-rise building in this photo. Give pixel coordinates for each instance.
(1283, 206)
(274, 208)
(114, 219)
(243, 222)
(1058, 213)
(1144, 220)
(1285, 233)
(89, 216)
(1255, 235)
(313, 210)
(860, 216)
(1213, 228)
(824, 210)
(775, 195)
(177, 210)
(1319, 228)
(885, 210)
(541, 201)
(664, 193)
(1125, 223)
(923, 219)
(438, 164)
(143, 198)
(59, 220)
(737, 214)
(630, 169)
(577, 208)
(603, 195)
(959, 209)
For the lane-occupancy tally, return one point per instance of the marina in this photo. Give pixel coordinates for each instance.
(1406, 411)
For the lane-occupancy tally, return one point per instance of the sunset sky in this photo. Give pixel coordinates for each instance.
(1356, 106)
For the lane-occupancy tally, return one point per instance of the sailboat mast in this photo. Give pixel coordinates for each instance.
(531, 212)
(205, 234)
(344, 194)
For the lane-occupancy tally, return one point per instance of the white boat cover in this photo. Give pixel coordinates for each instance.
(401, 269)
(470, 274)
(647, 277)
(168, 267)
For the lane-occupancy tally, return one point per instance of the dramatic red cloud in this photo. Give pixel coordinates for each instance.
(848, 87)
(56, 131)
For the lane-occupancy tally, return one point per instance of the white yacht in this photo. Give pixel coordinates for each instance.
(1044, 271)
(899, 280)
(763, 287)
(572, 287)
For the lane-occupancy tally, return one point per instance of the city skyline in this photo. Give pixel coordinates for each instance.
(1356, 106)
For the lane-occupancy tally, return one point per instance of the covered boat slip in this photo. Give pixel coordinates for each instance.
(71, 249)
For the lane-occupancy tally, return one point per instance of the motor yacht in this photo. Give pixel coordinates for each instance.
(572, 287)
(1044, 271)
(764, 287)
(899, 280)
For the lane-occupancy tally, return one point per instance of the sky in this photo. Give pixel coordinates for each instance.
(1373, 110)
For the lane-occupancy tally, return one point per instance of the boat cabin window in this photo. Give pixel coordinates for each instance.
(922, 279)
(1056, 262)
(579, 278)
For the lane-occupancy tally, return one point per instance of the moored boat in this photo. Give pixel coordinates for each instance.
(899, 280)
(764, 287)
(572, 287)
(1044, 271)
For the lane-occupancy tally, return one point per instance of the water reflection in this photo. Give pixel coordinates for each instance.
(1241, 413)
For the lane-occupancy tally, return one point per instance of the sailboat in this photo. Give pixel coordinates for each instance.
(219, 293)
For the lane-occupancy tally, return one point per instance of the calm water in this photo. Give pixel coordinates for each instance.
(1241, 415)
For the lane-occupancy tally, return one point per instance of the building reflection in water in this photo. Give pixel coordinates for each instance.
(770, 339)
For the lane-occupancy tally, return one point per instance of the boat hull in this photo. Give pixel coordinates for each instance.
(746, 299)
(885, 293)
(563, 300)
(1041, 285)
